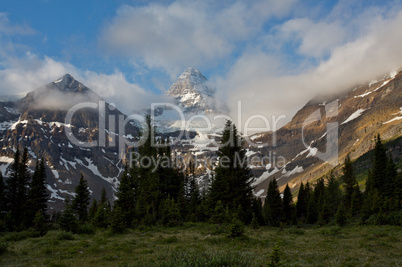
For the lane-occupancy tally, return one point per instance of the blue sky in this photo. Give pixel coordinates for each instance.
(272, 55)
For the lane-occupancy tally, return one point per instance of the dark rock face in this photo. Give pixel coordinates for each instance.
(38, 122)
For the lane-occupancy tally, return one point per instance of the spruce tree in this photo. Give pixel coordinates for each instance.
(379, 166)
(349, 180)
(287, 207)
(332, 194)
(340, 216)
(2, 197)
(37, 196)
(81, 200)
(390, 179)
(273, 204)
(231, 185)
(68, 221)
(302, 202)
(147, 174)
(125, 203)
(92, 210)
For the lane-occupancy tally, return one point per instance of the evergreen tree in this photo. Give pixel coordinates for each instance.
(16, 190)
(125, 202)
(231, 185)
(302, 202)
(37, 196)
(118, 224)
(81, 200)
(68, 221)
(332, 194)
(349, 180)
(148, 174)
(92, 210)
(273, 204)
(390, 179)
(287, 207)
(341, 215)
(379, 166)
(312, 211)
(2, 197)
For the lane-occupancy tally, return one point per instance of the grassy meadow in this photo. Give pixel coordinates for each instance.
(208, 245)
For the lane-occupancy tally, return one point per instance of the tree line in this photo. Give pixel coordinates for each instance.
(152, 194)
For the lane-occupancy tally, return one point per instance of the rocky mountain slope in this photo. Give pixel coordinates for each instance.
(38, 122)
(192, 93)
(359, 114)
(292, 154)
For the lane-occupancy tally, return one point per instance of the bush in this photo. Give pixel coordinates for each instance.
(236, 229)
(274, 257)
(64, 235)
(86, 229)
(18, 236)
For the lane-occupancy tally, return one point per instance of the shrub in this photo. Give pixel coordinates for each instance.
(64, 235)
(274, 257)
(236, 229)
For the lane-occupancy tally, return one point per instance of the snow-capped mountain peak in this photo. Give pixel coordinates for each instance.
(68, 83)
(192, 92)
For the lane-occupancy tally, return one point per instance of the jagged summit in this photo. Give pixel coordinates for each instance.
(68, 83)
(192, 91)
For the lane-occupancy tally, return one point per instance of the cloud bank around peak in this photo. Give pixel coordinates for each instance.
(266, 85)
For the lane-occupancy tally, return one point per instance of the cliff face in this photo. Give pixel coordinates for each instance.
(38, 122)
(359, 114)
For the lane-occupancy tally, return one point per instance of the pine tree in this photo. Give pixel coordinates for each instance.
(92, 210)
(349, 180)
(341, 215)
(273, 204)
(68, 221)
(126, 201)
(147, 174)
(16, 190)
(390, 178)
(37, 196)
(379, 166)
(231, 185)
(312, 211)
(2, 197)
(302, 202)
(81, 200)
(332, 194)
(118, 225)
(287, 207)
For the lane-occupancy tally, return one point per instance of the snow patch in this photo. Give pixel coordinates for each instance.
(355, 115)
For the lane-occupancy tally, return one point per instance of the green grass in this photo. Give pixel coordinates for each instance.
(202, 245)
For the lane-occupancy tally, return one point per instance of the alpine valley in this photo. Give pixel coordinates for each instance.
(100, 150)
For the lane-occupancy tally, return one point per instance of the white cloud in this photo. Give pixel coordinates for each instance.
(10, 29)
(184, 33)
(317, 39)
(266, 87)
(27, 74)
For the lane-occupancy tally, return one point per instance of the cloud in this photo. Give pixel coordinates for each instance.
(316, 39)
(6, 28)
(31, 72)
(183, 33)
(266, 86)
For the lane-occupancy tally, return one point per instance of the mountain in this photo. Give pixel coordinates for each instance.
(360, 113)
(92, 141)
(38, 122)
(192, 92)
